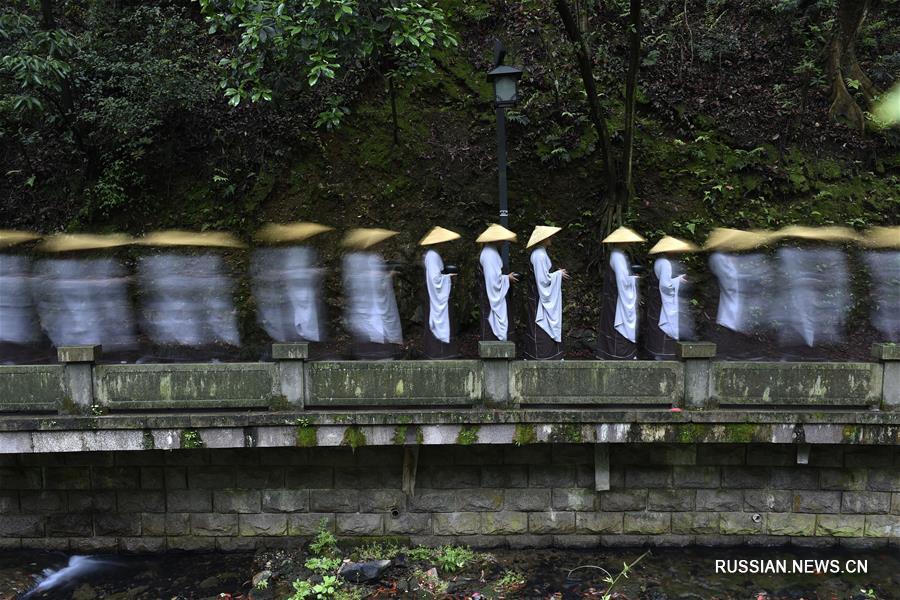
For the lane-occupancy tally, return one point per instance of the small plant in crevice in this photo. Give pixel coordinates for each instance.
(190, 439)
(325, 544)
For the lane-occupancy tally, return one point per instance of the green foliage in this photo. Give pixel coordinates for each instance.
(510, 580)
(430, 585)
(190, 438)
(468, 434)
(376, 551)
(354, 437)
(322, 565)
(421, 554)
(325, 544)
(275, 42)
(451, 559)
(524, 434)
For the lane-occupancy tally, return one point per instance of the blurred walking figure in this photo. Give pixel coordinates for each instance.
(20, 333)
(287, 283)
(186, 294)
(494, 290)
(439, 339)
(883, 262)
(668, 312)
(544, 329)
(617, 339)
(747, 284)
(371, 314)
(814, 300)
(83, 298)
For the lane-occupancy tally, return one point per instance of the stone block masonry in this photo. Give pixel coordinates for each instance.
(486, 496)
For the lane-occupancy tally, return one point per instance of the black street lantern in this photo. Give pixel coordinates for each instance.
(506, 85)
(506, 94)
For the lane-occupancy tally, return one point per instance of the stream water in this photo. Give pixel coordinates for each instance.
(682, 574)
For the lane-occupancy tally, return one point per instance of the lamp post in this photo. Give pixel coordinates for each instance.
(506, 93)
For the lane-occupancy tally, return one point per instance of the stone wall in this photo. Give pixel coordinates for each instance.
(519, 496)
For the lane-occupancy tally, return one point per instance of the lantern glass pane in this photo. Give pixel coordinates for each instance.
(505, 89)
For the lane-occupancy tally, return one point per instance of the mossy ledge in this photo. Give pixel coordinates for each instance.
(525, 434)
(468, 435)
(354, 437)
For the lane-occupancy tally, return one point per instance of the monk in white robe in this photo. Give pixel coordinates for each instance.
(438, 339)
(372, 314)
(20, 335)
(617, 339)
(287, 282)
(668, 317)
(544, 331)
(883, 262)
(495, 321)
(745, 279)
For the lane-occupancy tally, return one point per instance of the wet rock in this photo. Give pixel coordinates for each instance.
(365, 571)
(261, 576)
(84, 592)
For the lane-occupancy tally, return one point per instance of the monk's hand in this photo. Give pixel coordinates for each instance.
(513, 277)
(565, 274)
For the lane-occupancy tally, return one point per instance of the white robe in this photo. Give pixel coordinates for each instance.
(496, 284)
(725, 269)
(372, 313)
(548, 313)
(438, 285)
(626, 303)
(286, 283)
(670, 310)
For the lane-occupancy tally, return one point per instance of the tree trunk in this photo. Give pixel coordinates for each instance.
(595, 111)
(634, 62)
(840, 54)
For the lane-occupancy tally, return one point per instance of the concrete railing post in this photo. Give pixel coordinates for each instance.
(495, 357)
(78, 362)
(290, 362)
(889, 355)
(696, 357)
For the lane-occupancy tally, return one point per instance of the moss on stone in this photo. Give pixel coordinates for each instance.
(399, 436)
(354, 437)
(279, 403)
(68, 406)
(690, 433)
(850, 433)
(148, 443)
(525, 434)
(306, 436)
(420, 436)
(468, 435)
(739, 432)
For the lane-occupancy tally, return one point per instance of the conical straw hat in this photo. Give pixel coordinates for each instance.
(882, 237)
(736, 240)
(438, 235)
(673, 244)
(824, 234)
(10, 237)
(174, 237)
(541, 233)
(623, 235)
(366, 238)
(496, 233)
(275, 233)
(69, 242)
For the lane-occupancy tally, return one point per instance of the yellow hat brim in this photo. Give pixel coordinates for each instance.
(11, 237)
(71, 242)
(366, 238)
(623, 235)
(496, 233)
(671, 244)
(174, 237)
(274, 233)
(438, 235)
(736, 240)
(541, 233)
(882, 237)
(822, 234)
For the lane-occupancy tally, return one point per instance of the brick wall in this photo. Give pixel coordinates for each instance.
(482, 495)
